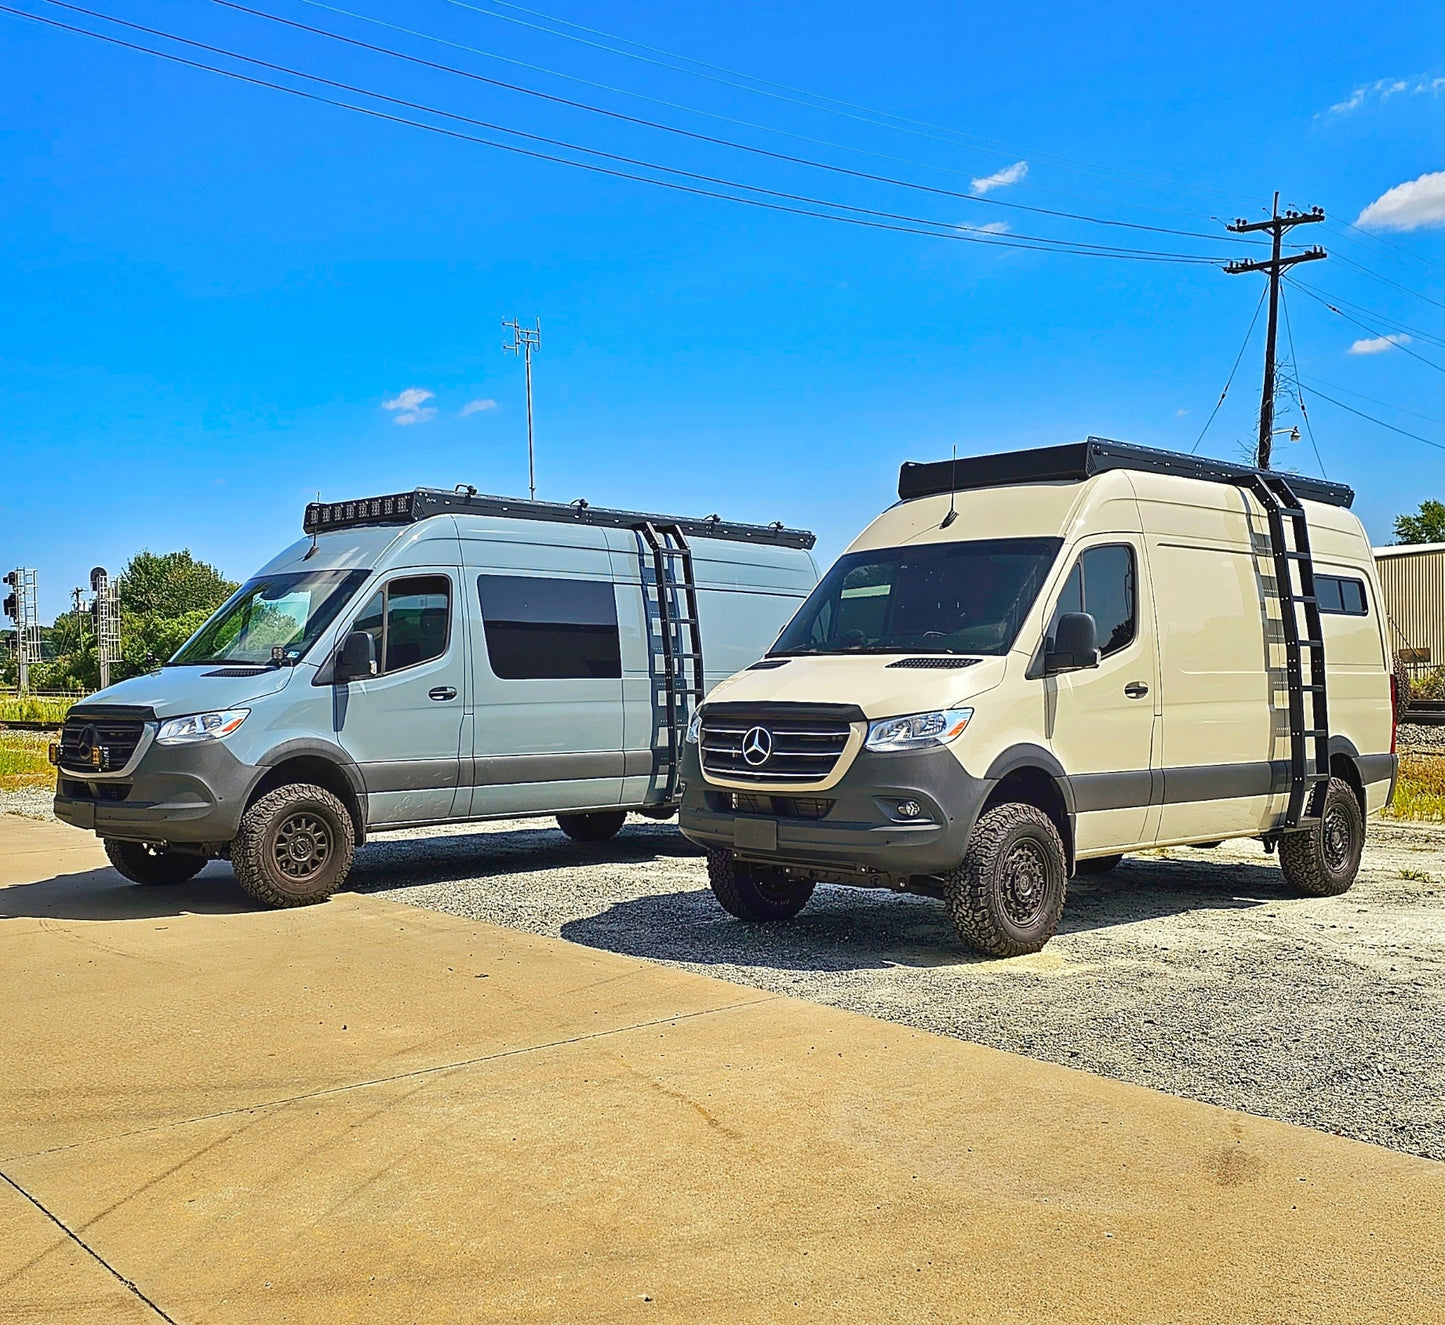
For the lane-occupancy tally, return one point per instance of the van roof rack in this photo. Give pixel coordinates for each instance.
(1081, 460)
(421, 503)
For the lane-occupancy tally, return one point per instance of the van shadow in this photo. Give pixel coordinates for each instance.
(407, 862)
(103, 894)
(854, 929)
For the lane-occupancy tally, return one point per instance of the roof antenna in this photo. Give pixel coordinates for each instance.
(311, 551)
(952, 484)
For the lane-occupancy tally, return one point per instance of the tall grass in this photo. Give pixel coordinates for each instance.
(1420, 788)
(23, 762)
(36, 708)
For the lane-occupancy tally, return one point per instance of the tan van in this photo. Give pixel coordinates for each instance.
(1038, 662)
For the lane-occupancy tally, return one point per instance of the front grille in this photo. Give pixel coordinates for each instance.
(802, 748)
(113, 736)
(780, 807)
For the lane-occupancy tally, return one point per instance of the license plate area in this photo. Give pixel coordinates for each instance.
(755, 834)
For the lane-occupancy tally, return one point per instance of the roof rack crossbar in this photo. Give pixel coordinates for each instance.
(1075, 461)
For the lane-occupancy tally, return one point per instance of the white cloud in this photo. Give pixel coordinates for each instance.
(1379, 344)
(992, 228)
(1001, 179)
(1180, 413)
(1382, 89)
(476, 407)
(1413, 205)
(410, 406)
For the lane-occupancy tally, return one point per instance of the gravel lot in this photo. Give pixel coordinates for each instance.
(1189, 971)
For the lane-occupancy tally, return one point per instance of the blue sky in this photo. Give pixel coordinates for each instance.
(210, 291)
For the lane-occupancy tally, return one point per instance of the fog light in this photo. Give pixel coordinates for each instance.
(909, 809)
(52, 752)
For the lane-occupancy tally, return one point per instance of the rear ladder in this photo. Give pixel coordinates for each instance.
(676, 650)
(1309, 746)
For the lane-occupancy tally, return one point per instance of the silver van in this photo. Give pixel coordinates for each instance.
(423, 658)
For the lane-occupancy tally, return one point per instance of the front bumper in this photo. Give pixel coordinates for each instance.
(185, 793)
(861, 839)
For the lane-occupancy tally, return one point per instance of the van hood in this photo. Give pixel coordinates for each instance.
(174, 691)
(871, 681)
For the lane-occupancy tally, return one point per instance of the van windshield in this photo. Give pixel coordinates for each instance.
(289, 611)
(968, 597)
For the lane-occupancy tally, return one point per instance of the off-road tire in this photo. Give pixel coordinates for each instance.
(270, 853)
(1098, 864)
(600, 826)
(755, 892)
(1323, 862)
(142, 863)
(1007, 897)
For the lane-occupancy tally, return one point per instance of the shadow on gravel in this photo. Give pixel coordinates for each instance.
(1149, 888)
(406, 862)
(104, 895)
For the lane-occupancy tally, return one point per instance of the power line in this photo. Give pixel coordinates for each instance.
(1439, 446)
(1359, 395)
(1230, 381)
(1394, 323)
(831, 105)
(1372, 330)
(1375, 276)
(711, 139)
(1299, 390)
(1403, 254)
(863, 217)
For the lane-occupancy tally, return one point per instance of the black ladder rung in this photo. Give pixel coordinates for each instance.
(1315, 731)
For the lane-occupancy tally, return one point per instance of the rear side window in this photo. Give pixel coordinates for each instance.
(1102, 583)
(408, 621)
(549, 629)
(1339, 596)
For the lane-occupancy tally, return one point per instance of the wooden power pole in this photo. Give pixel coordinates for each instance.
(1278, 226)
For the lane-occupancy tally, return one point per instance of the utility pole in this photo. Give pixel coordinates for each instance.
(23, 608)
(106, 607)
(1278, 226)
(524, 341)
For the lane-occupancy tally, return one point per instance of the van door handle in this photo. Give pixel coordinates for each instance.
(1136, 690)
(443, 692)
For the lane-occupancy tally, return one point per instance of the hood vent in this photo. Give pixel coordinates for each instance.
(768, 664)
(942, 663)
(238, 671)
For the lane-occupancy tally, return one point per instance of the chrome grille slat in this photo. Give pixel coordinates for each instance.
(804, 749)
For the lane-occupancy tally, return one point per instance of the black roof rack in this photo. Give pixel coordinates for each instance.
(421, 503)
(1081, 460)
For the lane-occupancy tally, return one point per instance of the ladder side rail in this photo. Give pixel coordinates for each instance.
(694, 617)
(661, 583)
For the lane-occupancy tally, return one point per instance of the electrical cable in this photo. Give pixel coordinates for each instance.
(910, 225)
(1415, 332)
(710, 139)
(1404, 349)
(1439, 446)
(1299, 390)
(1375, 276)
(832, 105)
(1359, 395)
(1230, 381)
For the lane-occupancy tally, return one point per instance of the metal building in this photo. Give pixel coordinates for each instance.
(1412, 579)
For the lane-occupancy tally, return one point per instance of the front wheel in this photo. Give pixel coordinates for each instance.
(295, 846)
(1323, 861)
(600, 826)
(755, 892)
(1007, 897)
(140, 862)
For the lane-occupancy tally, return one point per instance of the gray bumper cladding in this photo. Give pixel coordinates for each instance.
(862, 836)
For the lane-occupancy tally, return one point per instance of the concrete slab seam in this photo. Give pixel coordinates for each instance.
(90, 1251)
(382, 1081)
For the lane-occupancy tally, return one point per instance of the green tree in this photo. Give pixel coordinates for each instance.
(1426, 526)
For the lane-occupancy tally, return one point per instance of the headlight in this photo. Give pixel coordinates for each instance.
(200, 727)
(694, 729)
(917, 730)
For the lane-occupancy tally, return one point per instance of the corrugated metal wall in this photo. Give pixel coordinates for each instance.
(1414, 590)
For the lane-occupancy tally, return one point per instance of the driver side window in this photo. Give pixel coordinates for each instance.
(1103, 584)
(408, 621)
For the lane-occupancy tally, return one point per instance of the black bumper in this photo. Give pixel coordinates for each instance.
(862, 838)
(186, 793)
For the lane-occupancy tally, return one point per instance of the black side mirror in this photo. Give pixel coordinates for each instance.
(357, 659)
(1076, 644)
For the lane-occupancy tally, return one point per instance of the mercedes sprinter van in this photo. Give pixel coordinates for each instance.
(1037, 662)
(425, 658)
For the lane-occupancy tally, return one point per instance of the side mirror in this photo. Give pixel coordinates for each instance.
(357, 659)
(1076, 644)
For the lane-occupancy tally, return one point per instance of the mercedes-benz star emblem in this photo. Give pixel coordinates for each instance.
(757, 746)
(86, 742)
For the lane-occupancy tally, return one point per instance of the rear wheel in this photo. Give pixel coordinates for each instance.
(599, 826)
(1323, 862)
(755, 892)
(295, 846)
(1098, 864)
(1007, 897)
(141, 862)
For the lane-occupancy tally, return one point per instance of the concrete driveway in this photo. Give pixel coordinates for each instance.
(369, 1112)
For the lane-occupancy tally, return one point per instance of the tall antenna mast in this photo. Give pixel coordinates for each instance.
(524, 341)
